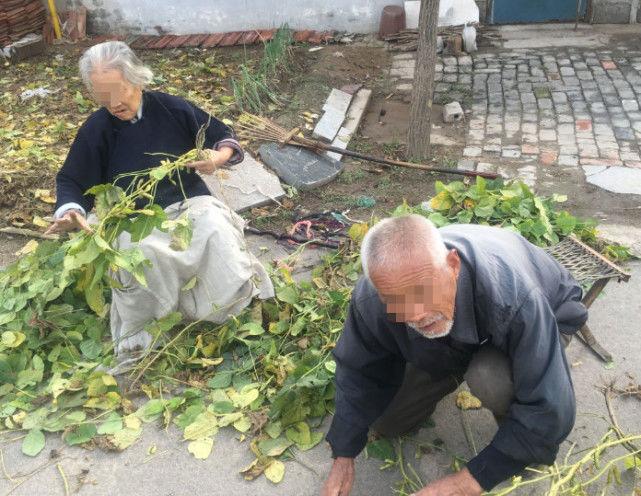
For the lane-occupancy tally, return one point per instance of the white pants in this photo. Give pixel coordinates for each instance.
(228, 275)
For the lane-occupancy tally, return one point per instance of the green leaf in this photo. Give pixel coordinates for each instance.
(245, 398)
(253, 328)
(632, 461)
(80, 434)
(274, 447)
(381, 449)
(288, 294)
(91, 349)
(243, 424)
(33, 443)
(275, 471)
(190, 284)
(221, 380)
(151, 410)
(111, 425)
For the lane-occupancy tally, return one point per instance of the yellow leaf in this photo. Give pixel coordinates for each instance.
(23, 144)
(29, 247)
(358, 231)
(201, 448)
(243, 424)
(125, 438)
(132, 422)
(39, 221)
(204, 426)
(442, 201)
(12, 339)
(44, 195)
(467, 401)
(108, 380)
(275, 471)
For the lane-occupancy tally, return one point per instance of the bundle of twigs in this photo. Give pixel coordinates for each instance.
(253, 127)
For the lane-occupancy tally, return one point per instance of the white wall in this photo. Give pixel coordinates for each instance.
(213, 16)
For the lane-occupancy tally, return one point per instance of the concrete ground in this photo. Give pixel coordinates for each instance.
(172, 471)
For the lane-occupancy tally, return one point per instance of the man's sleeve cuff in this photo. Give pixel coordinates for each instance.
(345, 439)
(62, 209)
(491, 467)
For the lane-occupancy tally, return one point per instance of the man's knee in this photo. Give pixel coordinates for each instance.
(489, 377)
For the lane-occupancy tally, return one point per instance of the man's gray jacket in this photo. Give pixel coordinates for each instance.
(511, 295)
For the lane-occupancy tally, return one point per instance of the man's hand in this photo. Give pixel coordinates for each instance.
(70, 221)
(212, 160)
(459, 484)
(340, 479)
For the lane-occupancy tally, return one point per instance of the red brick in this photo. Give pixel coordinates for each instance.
(608, 65)
(140, 42)
(195, 40)
(548, 157)
(302, 36)
(315, 38)
(230, 39)
(266, 34)
(178, 41)
(587, 154)
(600, 161)
(610, 154)
(212, 40)
(162, 42)
(528, 149)
(583, 125)
(633, 163)
(248, 38)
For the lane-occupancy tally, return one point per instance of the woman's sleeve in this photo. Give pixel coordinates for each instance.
(217, 134)
(82, 170)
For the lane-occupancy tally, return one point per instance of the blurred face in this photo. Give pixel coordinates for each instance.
(115, 93)
(420, 294)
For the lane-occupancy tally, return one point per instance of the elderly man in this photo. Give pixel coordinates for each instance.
(439, 306)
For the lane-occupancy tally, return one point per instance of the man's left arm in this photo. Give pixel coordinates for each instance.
(543, 411)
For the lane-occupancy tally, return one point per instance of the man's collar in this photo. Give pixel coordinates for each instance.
(464, 327)
(139, 113)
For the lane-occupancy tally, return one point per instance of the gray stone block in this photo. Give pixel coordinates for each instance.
(338, 100)
(611, 12)
(245, 185)
(299, 167)
(329, 124)
(453, 112)
(623, 180)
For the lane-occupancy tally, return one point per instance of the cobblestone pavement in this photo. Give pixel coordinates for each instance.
(551, 107)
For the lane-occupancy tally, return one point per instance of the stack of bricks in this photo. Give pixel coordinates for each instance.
(20, 17)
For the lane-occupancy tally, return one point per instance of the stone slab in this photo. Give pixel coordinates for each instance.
(245, 185)
(352, 121)
(329, 124)
(617, 179)
(341, 141)
(338, 100)
(357, 109)
(299, 167)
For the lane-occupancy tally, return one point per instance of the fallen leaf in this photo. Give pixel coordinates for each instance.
(201, 448)
(467, 401)
(275, 471)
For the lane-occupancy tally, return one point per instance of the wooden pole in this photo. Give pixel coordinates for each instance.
(418, 136)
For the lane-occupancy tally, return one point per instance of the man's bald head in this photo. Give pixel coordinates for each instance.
(400, 240)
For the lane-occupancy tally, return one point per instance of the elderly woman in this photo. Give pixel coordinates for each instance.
(133, 131)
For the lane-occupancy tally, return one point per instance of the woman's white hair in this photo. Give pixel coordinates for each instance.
(114, 55)
(398, 239)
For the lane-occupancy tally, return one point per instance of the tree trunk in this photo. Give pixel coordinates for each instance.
(418, 136)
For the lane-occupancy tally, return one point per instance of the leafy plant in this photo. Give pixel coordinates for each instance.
(511, 205)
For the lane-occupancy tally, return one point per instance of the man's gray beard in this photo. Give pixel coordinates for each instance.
(448, 328)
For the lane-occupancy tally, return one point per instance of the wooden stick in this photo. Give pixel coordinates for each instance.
(398, 163)
(27, 232)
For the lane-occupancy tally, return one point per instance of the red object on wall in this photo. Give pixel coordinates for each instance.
(392, 20)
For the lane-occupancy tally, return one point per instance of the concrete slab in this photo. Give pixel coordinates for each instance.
(341, 141)
(329, 124)
(355, 114)
(338, 100)
(551, 35)
(626, 235)
(245, 185)
(299, 167)
(622, 180)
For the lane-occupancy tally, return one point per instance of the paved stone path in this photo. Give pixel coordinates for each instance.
(561, 107)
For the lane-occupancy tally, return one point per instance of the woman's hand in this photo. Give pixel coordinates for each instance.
(212, 160)
(70, 221)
